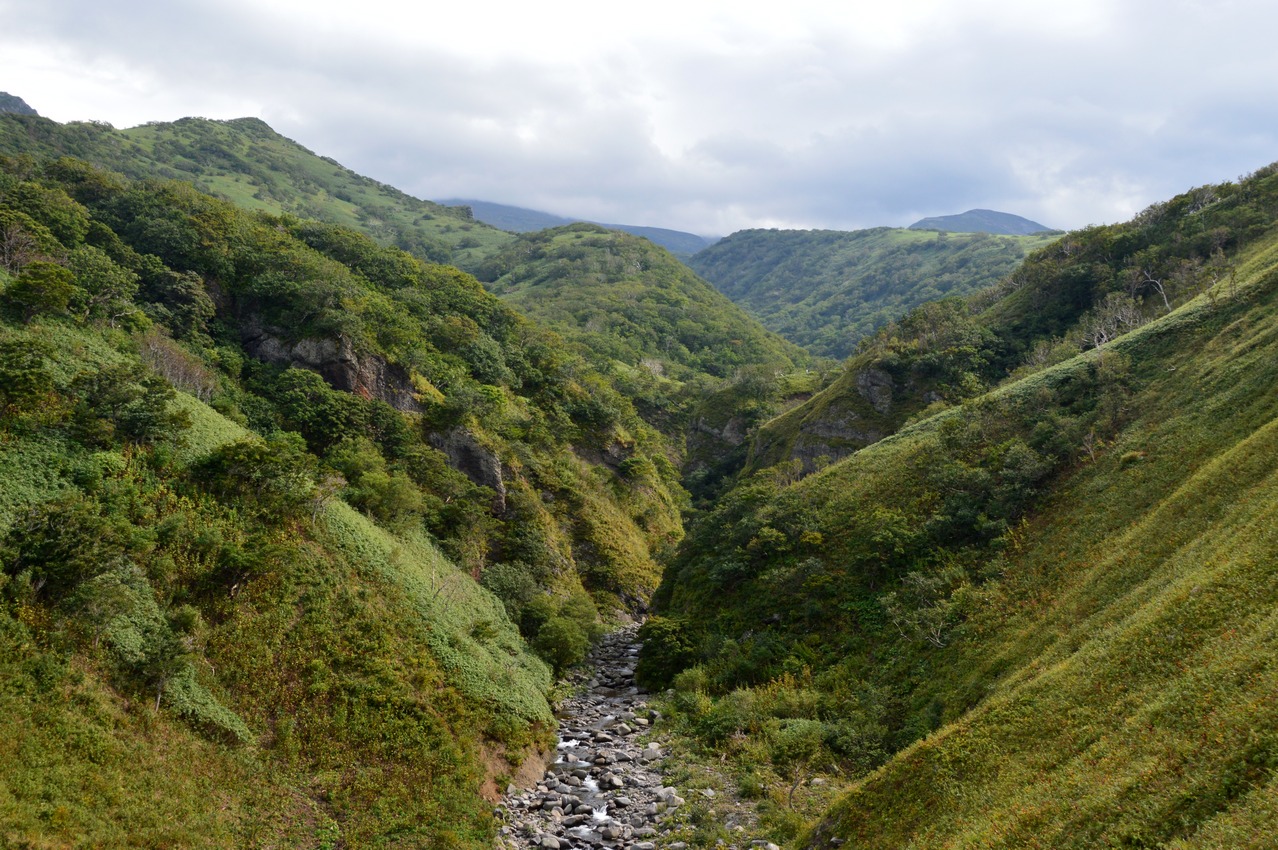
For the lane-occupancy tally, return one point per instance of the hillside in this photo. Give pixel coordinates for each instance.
(249, 164)
(522, 220)
(13, 103)
(827, 289)
(294, 528)
(981, 221)
(1038, 616)
(665, 338)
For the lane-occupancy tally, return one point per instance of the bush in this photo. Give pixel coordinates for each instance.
(668, 648)
(561, 643)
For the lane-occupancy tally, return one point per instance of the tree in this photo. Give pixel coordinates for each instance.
(167, 655)
(561, 642)
(42, 287)
(795, 747)
(108, 289)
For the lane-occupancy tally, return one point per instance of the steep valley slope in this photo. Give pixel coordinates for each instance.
(1037, 616)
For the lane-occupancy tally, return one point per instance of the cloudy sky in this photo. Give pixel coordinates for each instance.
(699, 115)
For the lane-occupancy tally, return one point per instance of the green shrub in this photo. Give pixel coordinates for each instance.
(668, 648)
(561, 642)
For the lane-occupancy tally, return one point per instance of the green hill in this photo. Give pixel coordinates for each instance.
(249, 164)
(981, 221)
(293, 527)
(1035, 616)
(522, 220)
(827, 289)
(666, 338)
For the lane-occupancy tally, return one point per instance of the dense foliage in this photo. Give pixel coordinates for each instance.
(248, 163)
(236, 449)
(828, 289)
(627, 301)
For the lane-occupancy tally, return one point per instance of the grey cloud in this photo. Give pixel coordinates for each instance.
(1087, 126)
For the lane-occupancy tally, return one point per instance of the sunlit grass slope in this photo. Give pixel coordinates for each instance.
(343, 680)
(1126, 652)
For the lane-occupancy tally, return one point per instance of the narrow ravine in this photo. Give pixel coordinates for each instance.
(605, 787)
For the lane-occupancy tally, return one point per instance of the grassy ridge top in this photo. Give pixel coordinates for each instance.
(828, 289)
(248, 163)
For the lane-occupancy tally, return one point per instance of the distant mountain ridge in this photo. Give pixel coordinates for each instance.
(13, 103)
(827, 289)
(982, 221)
(523, 220)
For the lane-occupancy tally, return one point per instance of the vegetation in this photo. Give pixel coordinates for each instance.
(520, 220)
(296, 527)
(253, 465)
(665, 338)
(981, 221)
(248, 163)
(1024, 605)
(630, 302)
(827, 289)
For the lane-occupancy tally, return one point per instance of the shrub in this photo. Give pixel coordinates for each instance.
(561, 642)
(668, 648)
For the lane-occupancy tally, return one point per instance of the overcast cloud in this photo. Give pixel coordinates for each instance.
(699, 115)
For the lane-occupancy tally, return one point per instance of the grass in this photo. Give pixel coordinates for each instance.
(1126, 653)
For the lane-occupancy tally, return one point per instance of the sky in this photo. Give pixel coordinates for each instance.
(699, 115)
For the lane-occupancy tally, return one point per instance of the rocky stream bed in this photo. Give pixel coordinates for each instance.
(605, 787)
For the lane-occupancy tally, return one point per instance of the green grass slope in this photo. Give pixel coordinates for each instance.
(1041, 617)
(322, 692)
(1135, 624)
(249, 164)
(826, 289)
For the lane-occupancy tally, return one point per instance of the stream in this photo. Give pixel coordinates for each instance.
(604, 789)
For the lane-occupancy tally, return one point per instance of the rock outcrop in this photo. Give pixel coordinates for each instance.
(336, 360)
(474, 460)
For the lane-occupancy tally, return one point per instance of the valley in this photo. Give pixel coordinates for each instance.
(327, 514)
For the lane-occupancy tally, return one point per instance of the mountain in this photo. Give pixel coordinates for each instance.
(981, 221)
(294, 527)
(1037, 610)
(521, 220)
(828, 289)
(14, 104)
(665, 338)
(246, 162)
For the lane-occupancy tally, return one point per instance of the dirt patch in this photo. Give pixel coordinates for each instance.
(497, 770)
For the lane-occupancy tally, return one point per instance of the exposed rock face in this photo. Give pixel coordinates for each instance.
(733, 432)
(336, 361)
(876, 387)
(481, 465)
(863, 407)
